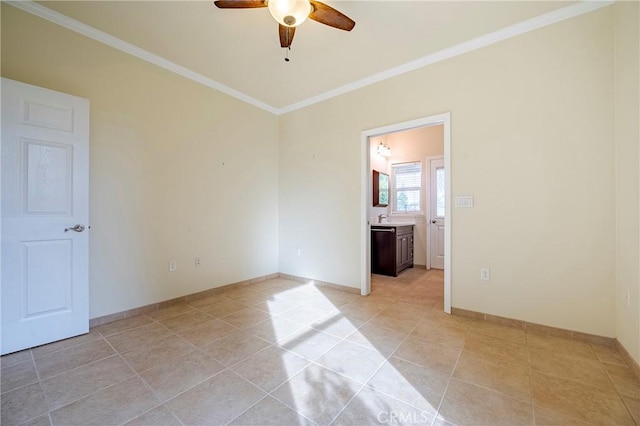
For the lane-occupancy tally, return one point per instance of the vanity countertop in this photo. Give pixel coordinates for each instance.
(393, 224)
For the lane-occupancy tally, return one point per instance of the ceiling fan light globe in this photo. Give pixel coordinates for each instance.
(289, 13)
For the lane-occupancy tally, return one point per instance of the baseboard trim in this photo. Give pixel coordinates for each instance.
(544, 330)
(630, 360)
(325, 284)
(94, 322)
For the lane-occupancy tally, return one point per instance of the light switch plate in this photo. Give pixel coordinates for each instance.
(464, 201)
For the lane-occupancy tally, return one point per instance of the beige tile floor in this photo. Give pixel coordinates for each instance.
(283, 352)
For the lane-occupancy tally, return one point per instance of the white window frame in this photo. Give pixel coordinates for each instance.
(420, 188)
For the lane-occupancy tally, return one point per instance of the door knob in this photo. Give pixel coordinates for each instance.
(77, 228)
(433, 221)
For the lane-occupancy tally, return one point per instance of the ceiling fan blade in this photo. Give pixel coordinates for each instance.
(286, 35)
(331, 17)
(240, 4)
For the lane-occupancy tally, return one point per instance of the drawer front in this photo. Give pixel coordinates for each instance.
(401, 230)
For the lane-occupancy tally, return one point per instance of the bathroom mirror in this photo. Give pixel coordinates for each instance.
(380, 189)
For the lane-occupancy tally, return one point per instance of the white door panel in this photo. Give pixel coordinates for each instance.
(45, 174)
(436, 213)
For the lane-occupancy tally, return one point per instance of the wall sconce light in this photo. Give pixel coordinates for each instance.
(384, 150)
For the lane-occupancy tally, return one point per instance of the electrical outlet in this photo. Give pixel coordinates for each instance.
(173, 266)
(298, 251)
(485, 274)
(197, 262)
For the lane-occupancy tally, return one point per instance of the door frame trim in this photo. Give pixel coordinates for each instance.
(427, 186)
(366, 197)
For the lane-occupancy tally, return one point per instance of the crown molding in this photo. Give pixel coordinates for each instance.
(95, 34)
(505, 33)
(488, 39)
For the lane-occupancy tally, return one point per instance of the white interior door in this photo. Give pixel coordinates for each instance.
(45, 190)
(436, 212)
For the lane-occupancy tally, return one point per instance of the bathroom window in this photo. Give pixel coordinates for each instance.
(407, 187)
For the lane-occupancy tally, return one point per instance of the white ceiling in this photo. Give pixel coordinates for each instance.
(240, 48)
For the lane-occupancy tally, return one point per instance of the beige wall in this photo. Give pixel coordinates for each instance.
(175, 170)
(532, 119)
(627, 137)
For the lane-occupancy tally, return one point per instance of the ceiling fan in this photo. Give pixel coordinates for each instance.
(291, 13)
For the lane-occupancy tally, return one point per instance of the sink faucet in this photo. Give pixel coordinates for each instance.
(381, 216)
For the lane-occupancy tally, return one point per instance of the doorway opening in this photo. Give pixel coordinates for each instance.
(419, 211)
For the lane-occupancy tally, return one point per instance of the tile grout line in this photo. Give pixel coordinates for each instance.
(33, 360)
(446, 389)
(136, 373)
(374, 373)
(530, 368)
(161, 403)
(620, 394)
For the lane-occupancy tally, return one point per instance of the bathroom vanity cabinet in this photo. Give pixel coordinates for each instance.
(391, 249)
